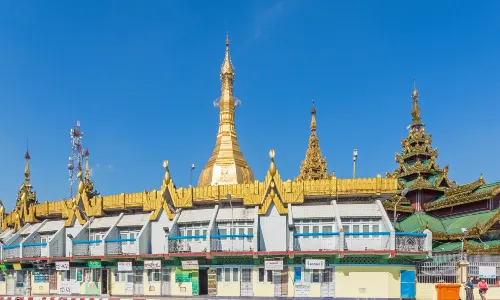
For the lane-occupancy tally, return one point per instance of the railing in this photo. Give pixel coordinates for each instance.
(434, 272)
(88, 248)
(327, 241)
(12, 251)
(182, 244)
(231, 242)
(35, 250)
(493, 278)
(365, 241)
(122, 246)
(410, 242)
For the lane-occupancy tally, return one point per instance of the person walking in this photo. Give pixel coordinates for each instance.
(469, 287)
(483, 287)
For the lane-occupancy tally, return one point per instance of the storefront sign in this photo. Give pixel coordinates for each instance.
(3, 267)
(17, 267)
(62, 265)
(273, 265)
(94, 264)
(315, 264)
(487, 272)
(182, 276)
(152, 264)
(124, 266)
(190, 265)
(302, 290)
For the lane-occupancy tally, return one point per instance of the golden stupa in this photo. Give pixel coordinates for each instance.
(226, 164)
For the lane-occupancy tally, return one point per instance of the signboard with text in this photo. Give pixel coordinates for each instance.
(152, 264)
(190, 265)
(17, 267)
(302, 290)
(94, 264)
(273, 265)
(62, 265)
(124, 266)
(315, 264)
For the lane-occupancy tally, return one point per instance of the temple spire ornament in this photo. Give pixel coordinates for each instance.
(27, 172)
(314, 166)
(226, 164)
(415, 110)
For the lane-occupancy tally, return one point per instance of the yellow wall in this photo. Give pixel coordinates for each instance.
(377, 281)
(493, 293)
(40, 288)
(152, 288)
(119, 287)
(228, 288)
(3, 287)
(426, 291)
(260, 289)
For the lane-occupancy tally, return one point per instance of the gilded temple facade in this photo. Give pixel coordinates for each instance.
(428, 199)
(314, 236)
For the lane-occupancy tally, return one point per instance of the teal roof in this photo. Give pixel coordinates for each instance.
(452, 225)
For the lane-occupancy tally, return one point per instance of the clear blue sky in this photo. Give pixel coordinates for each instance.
(141, 77)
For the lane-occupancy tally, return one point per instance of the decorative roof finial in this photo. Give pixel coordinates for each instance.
(87, 169)
(314, 166)
(27, 167)
(313, 119)
(415, 110)
(227, 66)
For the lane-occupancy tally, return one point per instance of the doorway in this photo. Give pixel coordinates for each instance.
(203, 282)
(246, 287)
(104, 287)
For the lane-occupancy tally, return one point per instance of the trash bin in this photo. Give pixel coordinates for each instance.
(448, 291)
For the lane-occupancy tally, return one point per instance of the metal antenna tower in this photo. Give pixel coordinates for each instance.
(75, 164)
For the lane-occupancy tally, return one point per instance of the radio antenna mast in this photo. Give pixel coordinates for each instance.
(75, 164)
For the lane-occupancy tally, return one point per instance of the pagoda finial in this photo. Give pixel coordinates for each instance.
(226, 164)
(87, 169)
(227, 66)
(415, 110)
(27, 157)
(313, 119)
(314, 166)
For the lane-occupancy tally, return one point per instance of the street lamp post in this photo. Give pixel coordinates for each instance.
(465, 232)
(403, 194)
(354, 158)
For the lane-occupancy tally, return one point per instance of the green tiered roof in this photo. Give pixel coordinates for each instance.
(447, 228)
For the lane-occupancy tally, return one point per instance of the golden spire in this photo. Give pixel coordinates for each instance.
(415, 110)
(314, 166)
(227, 66)
(27, 172)
(87, 169)
(226, 165)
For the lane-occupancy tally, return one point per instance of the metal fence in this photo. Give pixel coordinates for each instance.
(475, 269)
(447, 272)
(437, 272)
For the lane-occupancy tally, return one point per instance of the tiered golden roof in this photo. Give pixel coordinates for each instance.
(226, 165)
(314, 166)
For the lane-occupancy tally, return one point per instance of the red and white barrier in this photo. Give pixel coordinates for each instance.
(63, 298)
